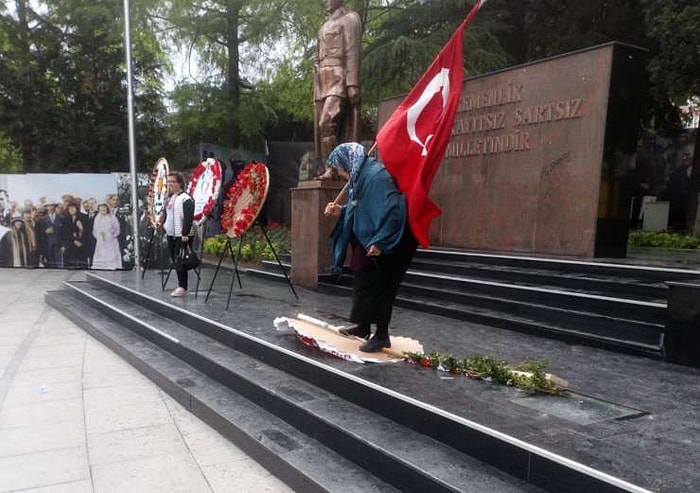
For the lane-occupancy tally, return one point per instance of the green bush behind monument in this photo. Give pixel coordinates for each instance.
(255, 247)
(653, 239)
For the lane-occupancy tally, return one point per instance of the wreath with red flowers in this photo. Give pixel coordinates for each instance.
(205, 196)
(157, 190)
(245, 199)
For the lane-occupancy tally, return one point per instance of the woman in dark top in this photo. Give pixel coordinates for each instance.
(177, 220)
(373, 223)
(75, 247)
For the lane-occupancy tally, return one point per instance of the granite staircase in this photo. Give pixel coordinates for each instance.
(318, 428)
(617, 306)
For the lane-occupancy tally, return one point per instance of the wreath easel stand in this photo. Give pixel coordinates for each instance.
(157, 196)
(228, 248)
(242, 207)
(149, 248)
(200, 235)
(277, 258)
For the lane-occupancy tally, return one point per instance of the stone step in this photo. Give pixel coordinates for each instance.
(618, 280)
(541, 297)
(520, 459)
(620, 324)
(640, 284)
(645, 311)
(649, 274)
(621, 287)
(395, 454)
(273, 267)
(622, 335)
(295, 458)
(601, 292)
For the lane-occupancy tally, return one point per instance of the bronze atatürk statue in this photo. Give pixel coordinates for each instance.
(337, 81)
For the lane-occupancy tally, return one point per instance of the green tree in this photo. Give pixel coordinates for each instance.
(534, 29)
(223, 37)
(403, 38)
(26, 89)
(289, 95)
(10, 156)
(400, 40)
(62, 90)
(675, 71)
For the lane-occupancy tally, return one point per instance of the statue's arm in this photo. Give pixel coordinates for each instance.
(353, 49)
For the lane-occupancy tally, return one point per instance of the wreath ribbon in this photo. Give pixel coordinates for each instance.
(157, 188)
(214, 166)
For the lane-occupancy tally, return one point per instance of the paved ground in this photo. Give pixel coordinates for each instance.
(75, 418)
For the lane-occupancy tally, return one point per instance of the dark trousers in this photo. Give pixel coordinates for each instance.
(376, 281)
(174, 245)
(54, 256)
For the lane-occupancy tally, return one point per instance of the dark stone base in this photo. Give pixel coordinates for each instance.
(682, 341)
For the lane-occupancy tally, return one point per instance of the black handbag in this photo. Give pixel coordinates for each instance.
(186, 259)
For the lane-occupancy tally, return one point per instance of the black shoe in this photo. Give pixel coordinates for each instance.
(357, 332)
(376, 344)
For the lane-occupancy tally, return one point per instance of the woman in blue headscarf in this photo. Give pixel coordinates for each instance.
(373, 223)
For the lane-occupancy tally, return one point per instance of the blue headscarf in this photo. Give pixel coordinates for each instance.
(349, 158)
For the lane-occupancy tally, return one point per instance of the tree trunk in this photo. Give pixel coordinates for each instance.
(693, 222)
(233, 83)
(26, 132)
(516, 43)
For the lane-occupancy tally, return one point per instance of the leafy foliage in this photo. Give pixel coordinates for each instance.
(62, 69)
(289, 92)
(215, 244)
(673, 26)
(528, 376)
(662, 240)
(10, 156)
(62, 85)
(235, 42)
(255, 247)
(675, 73)
(402, 40)
(534, 29)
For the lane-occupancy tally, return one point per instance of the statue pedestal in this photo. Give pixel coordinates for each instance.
(311, 229)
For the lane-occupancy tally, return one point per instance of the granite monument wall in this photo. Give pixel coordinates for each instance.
(541, 156)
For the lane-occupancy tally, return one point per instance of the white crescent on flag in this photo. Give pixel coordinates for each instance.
(440, 84)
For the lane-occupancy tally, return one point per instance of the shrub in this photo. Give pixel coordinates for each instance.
(214, 244)
(255, 247)
(662, 239)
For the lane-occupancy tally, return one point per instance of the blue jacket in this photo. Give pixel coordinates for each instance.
(375, 213)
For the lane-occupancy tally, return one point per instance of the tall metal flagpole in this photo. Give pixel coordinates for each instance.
(132, 139)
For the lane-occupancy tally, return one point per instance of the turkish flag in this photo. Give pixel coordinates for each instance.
(412, 142)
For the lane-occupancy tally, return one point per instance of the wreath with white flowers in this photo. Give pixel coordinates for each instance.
(204, 187)
(157, 190)
(245, 199)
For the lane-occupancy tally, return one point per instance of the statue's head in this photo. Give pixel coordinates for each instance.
(333, 5)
